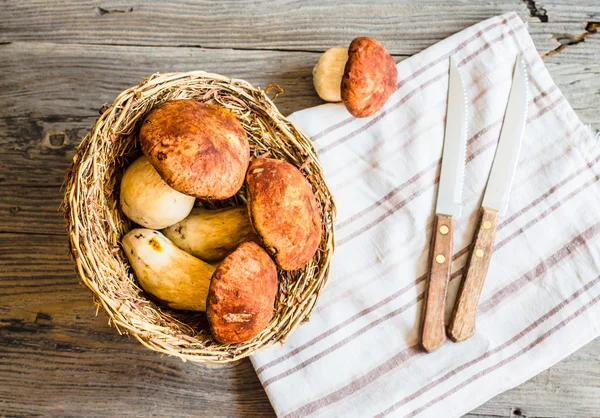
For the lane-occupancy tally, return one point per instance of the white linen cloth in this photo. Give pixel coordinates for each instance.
(359, 355)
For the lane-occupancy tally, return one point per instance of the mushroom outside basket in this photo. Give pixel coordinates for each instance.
(96, 224)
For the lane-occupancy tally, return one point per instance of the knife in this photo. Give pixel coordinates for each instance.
(495, 203)
(448, 208)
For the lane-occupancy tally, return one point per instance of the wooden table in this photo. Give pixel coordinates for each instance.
(61, 60)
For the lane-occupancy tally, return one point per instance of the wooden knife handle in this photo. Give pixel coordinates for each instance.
(462, 323)
(434, 307)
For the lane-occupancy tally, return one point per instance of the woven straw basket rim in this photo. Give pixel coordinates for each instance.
(95, 223)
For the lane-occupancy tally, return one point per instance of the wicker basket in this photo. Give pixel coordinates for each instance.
(96, 224)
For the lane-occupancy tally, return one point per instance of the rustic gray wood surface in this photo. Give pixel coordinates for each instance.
(61, 60)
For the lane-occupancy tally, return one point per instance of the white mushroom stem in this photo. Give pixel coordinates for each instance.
(174, 277)
(328, 73)
(147, 200)
(212, 234)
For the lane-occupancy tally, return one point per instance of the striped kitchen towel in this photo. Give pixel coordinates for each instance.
(359, 355)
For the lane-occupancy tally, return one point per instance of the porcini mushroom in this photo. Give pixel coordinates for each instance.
(212, 234)
(364, 82)
(174, 277)
(242, 294)
(284, 212)
(198, 148)
(147, 200)
(238, 295)
(327, 74)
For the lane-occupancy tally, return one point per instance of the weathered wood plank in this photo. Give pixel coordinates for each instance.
(405, 27)
(574, 80)
(62, 83)
(32, 210)
(569, 389)
(52, 93)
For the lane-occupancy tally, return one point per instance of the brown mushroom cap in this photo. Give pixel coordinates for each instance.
(242, 294)
(198, 149)
(284, 212)
(369, 77)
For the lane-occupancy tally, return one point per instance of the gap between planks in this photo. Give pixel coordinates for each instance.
(195, 46)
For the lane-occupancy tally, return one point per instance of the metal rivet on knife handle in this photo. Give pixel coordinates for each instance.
(434, 307)
(444, 229)
(487, 225)
(479, 252)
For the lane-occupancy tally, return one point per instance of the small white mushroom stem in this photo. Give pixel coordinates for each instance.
(328, 73)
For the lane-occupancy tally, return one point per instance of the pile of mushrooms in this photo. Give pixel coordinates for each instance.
(218, 261)
(225, 261)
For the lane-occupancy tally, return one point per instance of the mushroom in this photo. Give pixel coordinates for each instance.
(147, 200)
(238, 295)
(174, 277)
(242, 294)
(363, 76)
(199, 149)
(212, 234)
(284, 212)
(327, 74)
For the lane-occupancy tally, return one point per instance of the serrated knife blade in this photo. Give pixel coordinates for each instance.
(497, 192)
(449, 200)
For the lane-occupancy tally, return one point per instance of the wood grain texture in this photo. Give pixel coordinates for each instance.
(31, 209)
(569, 389)
(52, 93)
(440, 261)
(62, 60)
(462, 322)
(404, 27)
